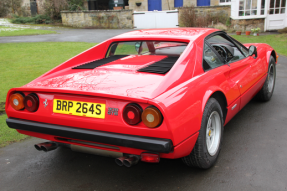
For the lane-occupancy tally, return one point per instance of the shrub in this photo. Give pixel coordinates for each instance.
(283, 30)
(53, 8)
(190, 18)
(228, 23)
(38, 19)
(74, 5)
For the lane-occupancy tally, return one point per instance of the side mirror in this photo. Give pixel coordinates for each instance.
(137, 46)
(252, 50)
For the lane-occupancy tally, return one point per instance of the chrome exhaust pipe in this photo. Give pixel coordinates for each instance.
(120, 161)
(128, 162)
(47, 146)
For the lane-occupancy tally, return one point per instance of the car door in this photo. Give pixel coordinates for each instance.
(211, 61)
(243, 68)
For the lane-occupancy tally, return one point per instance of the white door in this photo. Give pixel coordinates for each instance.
(155, 19)
(277, 17)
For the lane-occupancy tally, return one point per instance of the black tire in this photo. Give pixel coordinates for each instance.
(199, 156)
(265, 94)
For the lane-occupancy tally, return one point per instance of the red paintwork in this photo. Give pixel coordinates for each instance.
(180, 95)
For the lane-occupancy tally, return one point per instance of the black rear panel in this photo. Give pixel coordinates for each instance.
(160, 67)
(97, 63)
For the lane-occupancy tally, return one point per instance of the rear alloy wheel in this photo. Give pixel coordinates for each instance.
(266, 92)
(207, 146)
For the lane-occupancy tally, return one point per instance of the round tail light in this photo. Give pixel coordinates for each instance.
(16, 101)
(31, 102)
(151, 117)
(132, 114)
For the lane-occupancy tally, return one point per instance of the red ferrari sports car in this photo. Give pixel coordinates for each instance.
(146, 95)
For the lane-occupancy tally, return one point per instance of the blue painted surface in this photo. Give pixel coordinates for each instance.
(203, 2)
(178, 3)
(154, 5)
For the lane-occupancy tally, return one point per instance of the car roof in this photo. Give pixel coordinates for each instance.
(190, 34)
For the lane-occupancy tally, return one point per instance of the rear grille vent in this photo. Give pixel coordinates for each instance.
(97, 63)
(160, 67)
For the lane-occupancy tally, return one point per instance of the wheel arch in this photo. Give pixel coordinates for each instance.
(273, 53)
(220, 97)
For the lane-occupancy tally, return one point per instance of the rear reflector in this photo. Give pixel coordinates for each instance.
(31, 102)
(17, 101)
(150, 157)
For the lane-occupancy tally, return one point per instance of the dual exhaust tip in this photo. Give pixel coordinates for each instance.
(127, 161)
(47, 146)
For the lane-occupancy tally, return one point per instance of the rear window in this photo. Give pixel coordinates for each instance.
(146, 48)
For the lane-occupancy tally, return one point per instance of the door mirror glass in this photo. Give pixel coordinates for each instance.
(252, 50)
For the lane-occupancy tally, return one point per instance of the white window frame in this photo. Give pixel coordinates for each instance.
(235, 10)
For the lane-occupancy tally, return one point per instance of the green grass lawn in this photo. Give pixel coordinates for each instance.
(20, 63)
(12, 31)
(8, 135)
(278, 42)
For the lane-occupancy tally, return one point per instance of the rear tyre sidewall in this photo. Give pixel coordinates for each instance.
(264, 94)
(208, 160)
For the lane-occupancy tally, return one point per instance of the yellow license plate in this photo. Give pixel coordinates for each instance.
(79, 108)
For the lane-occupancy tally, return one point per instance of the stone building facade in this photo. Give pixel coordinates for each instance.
(166, 4)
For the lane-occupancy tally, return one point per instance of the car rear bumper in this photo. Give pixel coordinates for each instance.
(137, 142)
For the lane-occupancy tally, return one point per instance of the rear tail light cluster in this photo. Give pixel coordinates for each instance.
(151, 117)
(133, 114)
(19, 101)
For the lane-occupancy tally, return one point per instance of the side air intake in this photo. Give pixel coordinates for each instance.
(160, 67)
(97, 63)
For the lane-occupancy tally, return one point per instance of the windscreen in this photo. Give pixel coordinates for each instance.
(147, 48)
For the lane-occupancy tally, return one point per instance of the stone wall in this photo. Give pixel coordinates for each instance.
(248, 24)
(109, 19)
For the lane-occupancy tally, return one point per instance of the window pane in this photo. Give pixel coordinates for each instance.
(283, 3)
(147, 48)
(254, 12)
(262, 11)
(271, 12)
(277, 4)
(247, 13)
(254, 4)
(241, 5)
(211, 58)
(222, 1)
(247, 4)
(226, 48)
(241, 13)
(262, 4)
(276, 11)
(272, 3)
(282, 10)
(245, 52)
